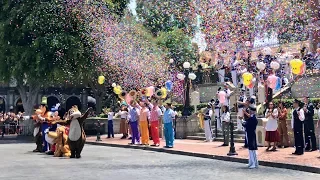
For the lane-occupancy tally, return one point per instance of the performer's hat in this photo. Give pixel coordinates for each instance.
(298, 102)
(253, 107)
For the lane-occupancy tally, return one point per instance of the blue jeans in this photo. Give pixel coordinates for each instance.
(168, 132)
(110, 128)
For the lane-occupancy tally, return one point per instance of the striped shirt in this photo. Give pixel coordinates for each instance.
(155, 113)
(144, 114)
(134, 114)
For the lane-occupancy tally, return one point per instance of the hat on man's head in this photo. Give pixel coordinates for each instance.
(253, 107)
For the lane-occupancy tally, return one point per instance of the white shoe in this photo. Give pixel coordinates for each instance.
(252, 167)
(248, 165)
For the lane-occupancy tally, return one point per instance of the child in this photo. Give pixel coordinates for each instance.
(110, 122)
(250, 127)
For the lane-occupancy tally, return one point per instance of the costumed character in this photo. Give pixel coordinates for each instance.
(52, 127)
(60, 140)
(37, 130)
(77, 136)
(44, 117)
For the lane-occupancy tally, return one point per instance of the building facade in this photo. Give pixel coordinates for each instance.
(67, 97)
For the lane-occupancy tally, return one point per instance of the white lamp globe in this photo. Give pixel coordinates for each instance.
(114, 85)
(180, 76)
(186, 65)
(171, 61)
(192, 76)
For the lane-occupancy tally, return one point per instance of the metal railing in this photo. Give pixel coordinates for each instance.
(13, 129)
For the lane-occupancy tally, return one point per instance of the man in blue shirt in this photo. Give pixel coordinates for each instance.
(168, 117)
(134, 123)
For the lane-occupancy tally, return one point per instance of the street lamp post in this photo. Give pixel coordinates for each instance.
(187, 76)
(232, 150)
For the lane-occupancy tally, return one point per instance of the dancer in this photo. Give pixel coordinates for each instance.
(134, 123)
(168, 117)
(155, 116)
(207, 123)
(297, 126)
(143, 123)
(250, 127)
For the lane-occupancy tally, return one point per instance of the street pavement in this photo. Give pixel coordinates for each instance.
(17, 162)
(283, 156)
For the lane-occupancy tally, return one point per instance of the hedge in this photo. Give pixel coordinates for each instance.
(288, 102)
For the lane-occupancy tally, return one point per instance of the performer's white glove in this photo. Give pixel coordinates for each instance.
(46, 131)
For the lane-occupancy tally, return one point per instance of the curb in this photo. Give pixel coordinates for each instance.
(209, 156)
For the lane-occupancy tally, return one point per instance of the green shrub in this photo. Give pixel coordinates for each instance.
(179, 107)
(288, 102)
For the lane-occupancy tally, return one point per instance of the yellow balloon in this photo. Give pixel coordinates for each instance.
(117, 90)
(164, 93)
(296, 66)
(101, 79)
(247, 78)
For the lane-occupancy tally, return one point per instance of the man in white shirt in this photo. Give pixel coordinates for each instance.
(297, 126)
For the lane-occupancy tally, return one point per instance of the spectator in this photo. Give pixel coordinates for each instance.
(282, 126)
(272, 136)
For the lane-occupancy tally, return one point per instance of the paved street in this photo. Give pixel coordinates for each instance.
(18, 162)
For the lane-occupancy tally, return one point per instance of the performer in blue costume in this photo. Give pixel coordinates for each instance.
(44, 124)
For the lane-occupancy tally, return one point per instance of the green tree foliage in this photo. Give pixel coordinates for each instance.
(177, 46)
(40, 43)
(166, 15)
(117, 7)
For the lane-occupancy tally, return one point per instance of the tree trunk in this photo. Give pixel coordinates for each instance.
(98, 103)
(98, 95)
(28, 97)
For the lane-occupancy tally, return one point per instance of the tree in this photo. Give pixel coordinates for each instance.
(177, 46)
(166, 15)
(40, 44)
(117, 7)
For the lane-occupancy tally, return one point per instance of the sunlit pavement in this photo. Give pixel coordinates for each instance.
(107, 163)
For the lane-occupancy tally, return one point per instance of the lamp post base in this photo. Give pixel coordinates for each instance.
(232, 152)
(186, 112)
